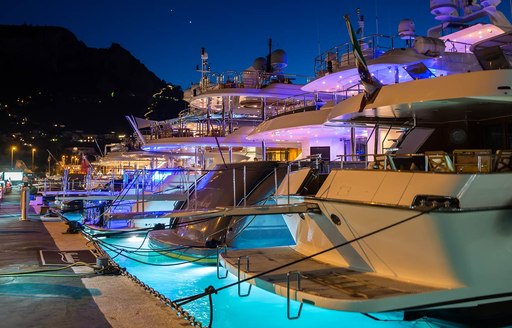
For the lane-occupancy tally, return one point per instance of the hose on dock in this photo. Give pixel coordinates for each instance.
(44, 273)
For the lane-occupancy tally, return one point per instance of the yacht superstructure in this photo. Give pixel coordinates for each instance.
(224, 108)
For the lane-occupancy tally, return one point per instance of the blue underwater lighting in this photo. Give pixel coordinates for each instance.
(259, 309)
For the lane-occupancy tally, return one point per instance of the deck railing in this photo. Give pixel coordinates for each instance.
(251, 79)
(341, 56)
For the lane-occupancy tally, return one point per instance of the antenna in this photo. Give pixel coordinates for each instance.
(204, 68)
(269, 66)
(360, 17)
(377, 17)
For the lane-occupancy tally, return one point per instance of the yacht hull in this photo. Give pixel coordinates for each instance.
(416, 257)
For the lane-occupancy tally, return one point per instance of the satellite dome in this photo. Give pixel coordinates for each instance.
(259, 64)
(406, 29)
(278, 59)
(443, 8)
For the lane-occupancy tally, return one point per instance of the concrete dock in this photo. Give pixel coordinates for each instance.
(55, 300)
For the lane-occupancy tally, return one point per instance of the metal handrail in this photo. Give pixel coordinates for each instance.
(288, 301)
(238, 275)
(224, 250)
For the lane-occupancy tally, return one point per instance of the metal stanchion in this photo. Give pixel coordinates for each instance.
(25, 198)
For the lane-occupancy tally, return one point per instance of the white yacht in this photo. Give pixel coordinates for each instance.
(211, 137)
(415, 214)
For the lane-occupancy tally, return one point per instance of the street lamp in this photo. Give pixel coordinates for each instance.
(12, 157)
(33, 151)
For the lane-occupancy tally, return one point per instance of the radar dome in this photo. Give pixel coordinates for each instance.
(259, 64)
(443, 8)
(406, 29)
(278, 59)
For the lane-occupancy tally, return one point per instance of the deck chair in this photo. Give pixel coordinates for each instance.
(503, 160)
(382, 162)
(439, 161)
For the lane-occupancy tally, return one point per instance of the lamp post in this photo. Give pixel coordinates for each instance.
(33, 151)
(12, 157)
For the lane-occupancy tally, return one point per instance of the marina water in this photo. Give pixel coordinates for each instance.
(259, 309)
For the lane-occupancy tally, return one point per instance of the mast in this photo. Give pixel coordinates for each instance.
(360, 19)
(204, 68)
(269, 64)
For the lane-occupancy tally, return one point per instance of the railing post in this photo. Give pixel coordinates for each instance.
(288, 176)
(275, 180)
(137, 192)
(234, 188)
(195, 192)
(245, 186)
(143, 188)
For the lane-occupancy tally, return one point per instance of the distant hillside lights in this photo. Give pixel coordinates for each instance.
(23, 102)
(87, 139)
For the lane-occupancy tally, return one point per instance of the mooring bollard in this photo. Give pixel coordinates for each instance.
(25, 198)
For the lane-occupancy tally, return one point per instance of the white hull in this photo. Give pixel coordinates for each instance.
(445, 258)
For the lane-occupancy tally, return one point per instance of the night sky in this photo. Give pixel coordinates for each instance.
(167, 36)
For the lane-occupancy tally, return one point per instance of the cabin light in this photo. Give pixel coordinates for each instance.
(480, 37)
(381, 81)
(350, 81)
(373, 74)
(323, 82)
(341, 76)
(338, 86)
(479, 32)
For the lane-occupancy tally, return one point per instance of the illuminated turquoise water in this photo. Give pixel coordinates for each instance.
(259, 309)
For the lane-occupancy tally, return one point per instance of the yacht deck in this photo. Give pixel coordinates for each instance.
(321, 284)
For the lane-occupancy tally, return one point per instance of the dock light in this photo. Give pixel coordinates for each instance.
(33, 152)
(13, 148)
